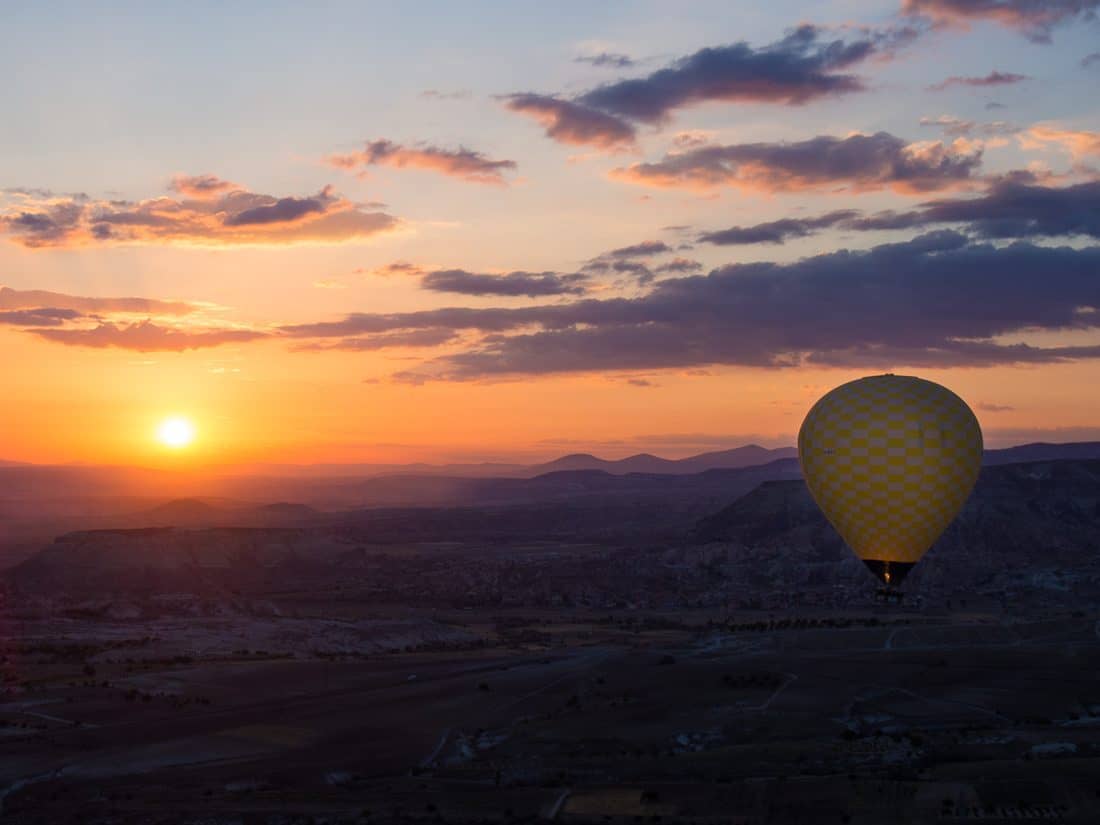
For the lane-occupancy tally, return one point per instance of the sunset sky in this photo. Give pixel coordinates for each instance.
(504, 231)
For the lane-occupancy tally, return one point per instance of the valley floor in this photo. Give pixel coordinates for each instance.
(403, 714)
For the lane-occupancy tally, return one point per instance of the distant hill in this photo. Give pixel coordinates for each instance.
(1065, 489)
(189, 512)
(1025, 526)
(1027, 536)
(747, 456)
(183, 511)
(1081, 450)
(588, 486)
(37, 498)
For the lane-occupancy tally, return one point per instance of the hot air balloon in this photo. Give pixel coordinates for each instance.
(890, 460)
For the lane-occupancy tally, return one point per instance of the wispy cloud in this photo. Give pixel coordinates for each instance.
(859, 162)
(680, 266)
(147, 336)
(100, 322)
(991, 79)
(633, 260)
(507, 284)
(227, 217)
(958, 127)
(1010, 209)
(203, 187)
(392, 268)
(777, 232)
(516, 284)
(1034, 18)
(413, 338)
(436, 94)
(1079, 143)
(34, 298)
(462, 163)
(644, 249)
(611, 60)
(40, 317)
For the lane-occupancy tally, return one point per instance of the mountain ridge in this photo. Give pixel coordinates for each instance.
(741, 456)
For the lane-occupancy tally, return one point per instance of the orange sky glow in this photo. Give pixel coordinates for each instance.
(521, 249)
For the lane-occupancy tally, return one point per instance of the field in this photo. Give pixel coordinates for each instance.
(573, 715)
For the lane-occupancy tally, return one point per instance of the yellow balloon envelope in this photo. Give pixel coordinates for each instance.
(890, 460)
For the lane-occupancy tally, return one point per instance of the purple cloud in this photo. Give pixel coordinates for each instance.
(862, 162)
(802, 67)
(203, 187)
(221, 216)
(777, 232)
(529, 284)
(991, 79)
(680, 266)
(284, 210)
(644, 249)
(146, 336)
(572, 123)
(612, 60)
(42, 317)
(1008, 210)
(935, 300)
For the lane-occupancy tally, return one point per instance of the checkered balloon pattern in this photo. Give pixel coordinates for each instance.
(890, 460)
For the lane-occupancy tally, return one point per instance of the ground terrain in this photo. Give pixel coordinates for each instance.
(560, 660)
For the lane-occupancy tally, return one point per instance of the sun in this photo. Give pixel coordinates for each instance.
(175, 432)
